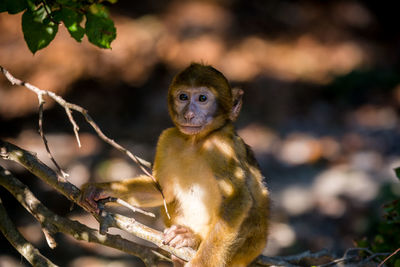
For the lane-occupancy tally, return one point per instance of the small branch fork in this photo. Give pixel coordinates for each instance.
(144, 165)
(35, 166)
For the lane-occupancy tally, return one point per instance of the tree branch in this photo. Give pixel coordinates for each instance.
(145, 166)
(70, 106)
(52, 223)
(26, 249)
(35, 166)
(291, 260)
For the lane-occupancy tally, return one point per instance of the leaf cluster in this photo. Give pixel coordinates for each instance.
(387, 231)
(41, 18)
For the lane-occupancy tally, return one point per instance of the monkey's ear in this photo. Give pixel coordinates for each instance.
(237, 95)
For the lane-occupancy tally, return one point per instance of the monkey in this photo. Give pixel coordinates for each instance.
(216, 198)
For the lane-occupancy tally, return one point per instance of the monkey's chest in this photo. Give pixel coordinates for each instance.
(194, 209)
(197, 196)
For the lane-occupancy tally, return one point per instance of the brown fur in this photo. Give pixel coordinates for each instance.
(211, 181)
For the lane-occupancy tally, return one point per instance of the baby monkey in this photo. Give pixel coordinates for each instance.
(211, 181)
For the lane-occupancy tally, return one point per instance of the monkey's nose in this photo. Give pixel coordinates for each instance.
(189, 115)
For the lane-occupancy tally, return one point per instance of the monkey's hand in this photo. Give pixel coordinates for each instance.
(179, 236)
(90, 194)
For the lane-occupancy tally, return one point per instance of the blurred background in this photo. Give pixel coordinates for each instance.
(321, 110)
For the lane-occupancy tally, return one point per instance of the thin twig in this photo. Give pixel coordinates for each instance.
(41, 104)
(126, 205)
(143, 165)
(74, 125)
(290, 260)
(48, 12)
(346, 257)
(391, 255)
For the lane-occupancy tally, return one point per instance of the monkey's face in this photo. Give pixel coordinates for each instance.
(195, 109)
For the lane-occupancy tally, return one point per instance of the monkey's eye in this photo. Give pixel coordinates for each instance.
(183, 97)
(202, 98)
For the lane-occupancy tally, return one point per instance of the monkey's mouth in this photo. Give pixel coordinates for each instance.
(190, 129)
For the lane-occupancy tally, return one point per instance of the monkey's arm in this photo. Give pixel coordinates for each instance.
(140, 191)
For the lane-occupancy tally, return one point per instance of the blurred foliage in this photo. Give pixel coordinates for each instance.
(385, 237)
(41, 19)
(357, 85)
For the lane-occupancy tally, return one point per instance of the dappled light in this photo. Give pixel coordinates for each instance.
(374, 117)
(321, 109)
(281, 236)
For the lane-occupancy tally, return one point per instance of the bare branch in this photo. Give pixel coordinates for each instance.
(126, 205)
(26, 249)
(39, 169)
(291, 260)
(391, 255)
(71, 106)
(74, 125)
(56, 223)
(145, 166)
(41, 104)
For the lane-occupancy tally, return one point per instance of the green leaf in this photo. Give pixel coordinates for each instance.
(13, 6)
(78, 5)
(72, 20)
(38, 32)
(100, 28)
(397, 171)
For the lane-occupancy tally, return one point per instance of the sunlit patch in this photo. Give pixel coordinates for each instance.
(340, 181)
(282, 234)
(238, 173)
(194, 201)
(79, 174)
(226, 187)
(366, 161)
(260, 138)
(26, 249)
(85, 236)
(297, 200)
(300, 149)
(118, 187)
(115, 169)
(332, 206)
(374, 117)
(306, 59)
(222, 147)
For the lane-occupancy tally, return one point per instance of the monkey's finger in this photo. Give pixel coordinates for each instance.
(169, 237)
(176, 241)
(186, 241)
(177, 229)
(183, 240)
(170, 233)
